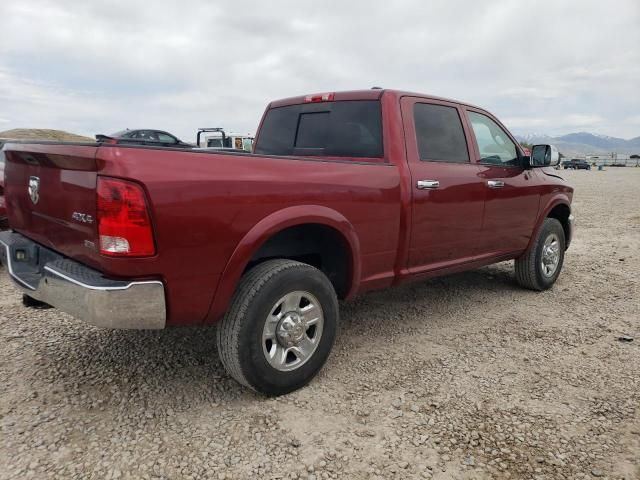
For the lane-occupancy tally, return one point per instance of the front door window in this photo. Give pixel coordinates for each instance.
(494, 145)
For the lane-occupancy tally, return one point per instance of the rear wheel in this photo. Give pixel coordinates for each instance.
(540, 266)
(280, 327)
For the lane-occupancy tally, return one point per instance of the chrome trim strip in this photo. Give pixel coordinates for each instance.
(94, 287)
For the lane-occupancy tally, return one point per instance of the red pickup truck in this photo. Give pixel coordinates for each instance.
(344, 193)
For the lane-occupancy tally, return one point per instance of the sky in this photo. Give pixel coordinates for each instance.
(541, 66)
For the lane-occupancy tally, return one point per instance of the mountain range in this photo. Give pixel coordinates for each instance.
(582, 143)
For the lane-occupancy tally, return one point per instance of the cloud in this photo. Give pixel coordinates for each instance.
(96, 67)
(581, 120)
(635, 120)
(526, 123)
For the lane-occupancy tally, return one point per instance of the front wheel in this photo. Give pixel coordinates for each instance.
(280, 327)
(539, 267)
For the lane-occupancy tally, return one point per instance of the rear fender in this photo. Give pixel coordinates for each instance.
(265, 229)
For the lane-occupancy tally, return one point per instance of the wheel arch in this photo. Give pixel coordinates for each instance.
(268, 228)
(559, 207)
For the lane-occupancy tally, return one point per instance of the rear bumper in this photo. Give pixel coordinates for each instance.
(81, 291)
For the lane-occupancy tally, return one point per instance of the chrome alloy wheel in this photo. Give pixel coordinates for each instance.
(292, 331)
(550, 257)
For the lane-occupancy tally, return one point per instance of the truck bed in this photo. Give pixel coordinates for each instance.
(202, 205)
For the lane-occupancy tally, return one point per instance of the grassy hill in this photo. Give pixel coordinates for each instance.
(42, 134)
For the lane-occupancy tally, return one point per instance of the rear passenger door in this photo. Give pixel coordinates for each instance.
(447, 189)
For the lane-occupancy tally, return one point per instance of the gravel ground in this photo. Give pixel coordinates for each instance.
(464, 377)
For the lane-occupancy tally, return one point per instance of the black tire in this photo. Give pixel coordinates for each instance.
(529, 270)
(239, 335)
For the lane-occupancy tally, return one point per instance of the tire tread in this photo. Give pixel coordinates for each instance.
(526, 265)
(228, 332)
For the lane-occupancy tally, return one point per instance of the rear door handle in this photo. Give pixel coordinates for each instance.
(427, 184)
(495, 183)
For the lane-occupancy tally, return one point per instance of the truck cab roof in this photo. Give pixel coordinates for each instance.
(370, 94)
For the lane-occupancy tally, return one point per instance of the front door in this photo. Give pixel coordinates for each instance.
(447, 189)
(512, 196)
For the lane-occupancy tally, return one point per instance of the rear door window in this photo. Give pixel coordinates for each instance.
(146, 135)
(439, 133)
(336, 129)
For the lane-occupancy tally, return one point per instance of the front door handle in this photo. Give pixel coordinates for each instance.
(427, 184)
(495, 183)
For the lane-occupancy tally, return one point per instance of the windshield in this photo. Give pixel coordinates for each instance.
(338, 129)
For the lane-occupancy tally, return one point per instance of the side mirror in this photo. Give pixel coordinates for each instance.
(544, 156)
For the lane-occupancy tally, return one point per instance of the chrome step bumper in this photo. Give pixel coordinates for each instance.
(79, 290)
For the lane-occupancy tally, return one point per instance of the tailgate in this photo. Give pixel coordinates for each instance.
(50, 195)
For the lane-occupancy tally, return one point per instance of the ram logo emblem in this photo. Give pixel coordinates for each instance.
(34, 189)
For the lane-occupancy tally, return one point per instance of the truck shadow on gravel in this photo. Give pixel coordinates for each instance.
(176, 366)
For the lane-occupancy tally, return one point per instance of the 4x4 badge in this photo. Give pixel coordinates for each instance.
(34, 189)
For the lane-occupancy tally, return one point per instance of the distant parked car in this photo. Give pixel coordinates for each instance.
(149, 138)
(576, 164)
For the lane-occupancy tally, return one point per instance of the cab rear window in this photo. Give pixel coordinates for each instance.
(350, 128)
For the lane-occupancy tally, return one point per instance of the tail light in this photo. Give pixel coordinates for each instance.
(320, 97)
(124, 226)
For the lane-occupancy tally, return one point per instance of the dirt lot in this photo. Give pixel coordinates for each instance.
(465, 377)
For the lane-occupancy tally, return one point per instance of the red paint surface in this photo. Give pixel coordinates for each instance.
(212, 211)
